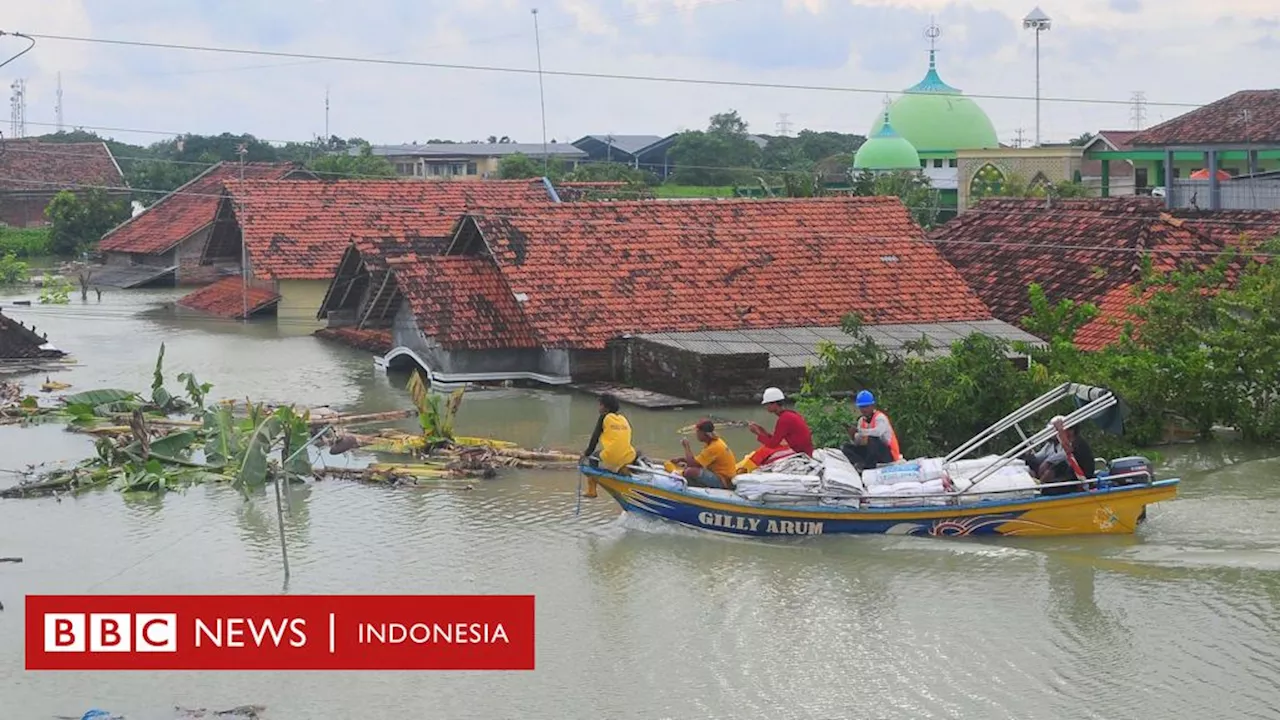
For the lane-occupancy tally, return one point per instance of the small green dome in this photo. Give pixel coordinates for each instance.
(936, 117)
(886, 150)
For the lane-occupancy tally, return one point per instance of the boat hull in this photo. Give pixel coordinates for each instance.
(1116, 511)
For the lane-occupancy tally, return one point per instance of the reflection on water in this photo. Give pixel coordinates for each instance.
(637, 618)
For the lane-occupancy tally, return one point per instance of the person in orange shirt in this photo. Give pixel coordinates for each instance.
(874, 442)
(713, 467)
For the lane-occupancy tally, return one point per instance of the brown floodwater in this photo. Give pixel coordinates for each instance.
(637, 619)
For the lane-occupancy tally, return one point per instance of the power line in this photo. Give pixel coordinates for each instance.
(559, 73)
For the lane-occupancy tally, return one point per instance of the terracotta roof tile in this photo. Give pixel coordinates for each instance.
(184, 211)
(1082, 250)
(1248, 116)
(34, 166)
(378, 342)
(463, 302)
(1242, 229)
(227, 297)
(596, 271)
(299, 229)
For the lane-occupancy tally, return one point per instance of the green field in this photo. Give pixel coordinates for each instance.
(691, 191)
(24, 242)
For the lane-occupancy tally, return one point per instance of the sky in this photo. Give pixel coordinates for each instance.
(1174, 51)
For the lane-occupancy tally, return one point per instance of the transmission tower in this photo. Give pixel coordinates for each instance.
(1138, 114)
(1019, 138)
(784, 125)
(18, 109)
(57, 109)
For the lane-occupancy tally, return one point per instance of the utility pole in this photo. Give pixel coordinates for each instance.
(1039, 22)
(1139, 112)
(542, 100)
(242, 149)
(1018, 140)
(57, 109)
(784, 125)
(326, 116)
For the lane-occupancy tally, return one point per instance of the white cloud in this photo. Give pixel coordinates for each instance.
(1093, 51)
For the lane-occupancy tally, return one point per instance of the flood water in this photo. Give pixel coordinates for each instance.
(638, 619)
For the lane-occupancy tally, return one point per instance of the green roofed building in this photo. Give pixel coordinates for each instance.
(886, 151)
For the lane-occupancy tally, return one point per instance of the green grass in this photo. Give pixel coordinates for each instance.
(24, 242)
(692, 191)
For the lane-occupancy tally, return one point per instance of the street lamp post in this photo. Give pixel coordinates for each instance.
(1039, 22)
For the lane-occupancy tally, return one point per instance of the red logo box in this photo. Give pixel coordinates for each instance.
(280, 632)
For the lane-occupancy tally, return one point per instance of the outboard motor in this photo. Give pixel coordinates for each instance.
(1138, 469)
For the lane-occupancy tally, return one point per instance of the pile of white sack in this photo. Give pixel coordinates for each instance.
(827, 476)
(928, 476)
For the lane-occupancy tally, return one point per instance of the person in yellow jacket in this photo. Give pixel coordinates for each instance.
(613, 434)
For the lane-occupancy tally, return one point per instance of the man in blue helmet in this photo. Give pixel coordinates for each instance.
(872, 441)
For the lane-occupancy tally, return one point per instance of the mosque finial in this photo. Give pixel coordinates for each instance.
(933, 32)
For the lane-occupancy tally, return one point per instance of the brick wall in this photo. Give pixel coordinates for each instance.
(592, 365)
(709, 379)
(24, 209)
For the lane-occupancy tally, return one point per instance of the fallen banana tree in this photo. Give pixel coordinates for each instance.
(162, 442)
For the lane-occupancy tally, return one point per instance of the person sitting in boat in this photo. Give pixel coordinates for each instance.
(613, 434)
(1069, 460)
(789, 432)
(873, 441)
(713, 467)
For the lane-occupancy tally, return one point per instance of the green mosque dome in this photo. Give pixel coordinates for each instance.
(936, 117)
(886, 150)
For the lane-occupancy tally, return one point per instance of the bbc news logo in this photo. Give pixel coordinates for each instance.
(315, 632)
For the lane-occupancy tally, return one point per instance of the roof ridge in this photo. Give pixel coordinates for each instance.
(166, 196)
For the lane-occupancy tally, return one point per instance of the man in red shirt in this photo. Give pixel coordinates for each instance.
(791, 431)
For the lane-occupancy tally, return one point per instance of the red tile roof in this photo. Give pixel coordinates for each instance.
(463, 302)
(589, 272)
(34, 166)
(1238, 228)
(185, 211)
(1246, 117)
(299, 229)
(378, 342)
(227, 297)
(1118, 139)
(1082, 250)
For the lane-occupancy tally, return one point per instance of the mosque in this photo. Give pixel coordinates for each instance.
(925, 129)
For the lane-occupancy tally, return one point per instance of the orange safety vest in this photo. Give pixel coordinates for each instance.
(864, 424)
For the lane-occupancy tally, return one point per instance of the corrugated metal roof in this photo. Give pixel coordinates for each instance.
(797, 347)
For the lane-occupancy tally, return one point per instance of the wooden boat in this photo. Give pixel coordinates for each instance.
(1114, 503)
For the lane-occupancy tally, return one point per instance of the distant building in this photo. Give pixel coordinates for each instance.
(164, 244)
(32, 172)
(984, 172)
(467, 161)
(1201, 159)
(581, 292)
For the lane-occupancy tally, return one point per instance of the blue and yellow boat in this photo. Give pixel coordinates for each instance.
(1114, 503)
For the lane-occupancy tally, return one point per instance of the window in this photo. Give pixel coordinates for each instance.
(989, 180)
(417, 169)
(1139, 178)
(471, 168)
(437, 170)
(1039, 182)
(404, 169)
(457, 169)
(924, 163)
(953, 162)
(937, 162)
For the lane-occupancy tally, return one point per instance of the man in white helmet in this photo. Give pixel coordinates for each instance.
(790, 431)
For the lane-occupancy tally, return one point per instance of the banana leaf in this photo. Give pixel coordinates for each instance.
(159, 395)
(97, 398)
(174, 444)
(254, 466)
(224, 441)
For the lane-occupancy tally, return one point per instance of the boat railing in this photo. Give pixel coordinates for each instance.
(1090, 410)
(1009, 421)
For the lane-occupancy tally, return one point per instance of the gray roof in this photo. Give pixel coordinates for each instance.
(798, 347)
(630, 144)
(485, 150)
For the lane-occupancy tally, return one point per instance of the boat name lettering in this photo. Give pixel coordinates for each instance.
(750, 524)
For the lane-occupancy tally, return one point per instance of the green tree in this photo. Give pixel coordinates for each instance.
(610, 172)
(12, 270)
(910, 186)
(1016, 186)
(77, 221)
(722, 155)
(520, 166)
(343, 165)
(1083, 139)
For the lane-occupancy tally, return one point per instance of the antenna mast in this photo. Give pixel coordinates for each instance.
(18, 109)
(1139, 112)
(326, 115)
(57, 109)
(542, 100)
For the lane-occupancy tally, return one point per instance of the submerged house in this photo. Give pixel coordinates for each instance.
(293, 233)
(706, 300)
(164, 244)
(33, 172)
(1089, 250)
(19, 342)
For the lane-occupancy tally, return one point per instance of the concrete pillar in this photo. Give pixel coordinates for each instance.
(1168, 178)
(1215, 188)
(1159, 180)
(1106, 178)
(1253, 161)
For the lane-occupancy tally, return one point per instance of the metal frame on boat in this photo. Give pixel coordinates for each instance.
(1115, 506)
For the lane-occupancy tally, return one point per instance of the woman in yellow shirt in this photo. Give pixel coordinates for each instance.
(613, 433)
